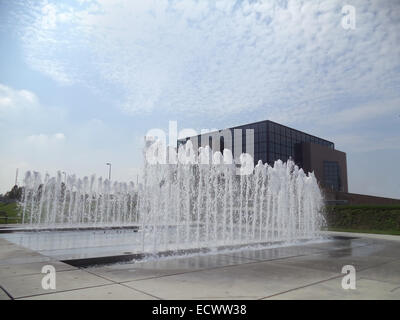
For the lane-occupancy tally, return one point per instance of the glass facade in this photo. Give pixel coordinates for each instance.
(284, 142)
(332, 175)
(260, 139)
(273, 141)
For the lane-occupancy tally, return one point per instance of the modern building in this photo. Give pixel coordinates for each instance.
(273, 141)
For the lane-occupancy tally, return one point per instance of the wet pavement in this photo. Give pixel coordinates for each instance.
(304, 271)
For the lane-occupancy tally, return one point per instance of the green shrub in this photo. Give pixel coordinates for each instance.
(363, 217)
(12, 211)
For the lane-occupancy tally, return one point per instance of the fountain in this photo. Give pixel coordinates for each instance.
(195, 203)
(77, 203)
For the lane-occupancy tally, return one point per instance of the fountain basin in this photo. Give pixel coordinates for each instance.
(95, 246)
(22, 228)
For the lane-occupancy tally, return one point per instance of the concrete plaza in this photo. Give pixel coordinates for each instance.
(306, 271)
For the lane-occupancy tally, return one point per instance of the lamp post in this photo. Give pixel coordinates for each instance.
(65, 176)
(109, 170)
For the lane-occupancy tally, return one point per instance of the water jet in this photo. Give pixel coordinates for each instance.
(177, 207)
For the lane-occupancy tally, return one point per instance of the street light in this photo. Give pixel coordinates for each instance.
(109, 170)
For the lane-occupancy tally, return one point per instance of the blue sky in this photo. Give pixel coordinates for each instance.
(81, 82)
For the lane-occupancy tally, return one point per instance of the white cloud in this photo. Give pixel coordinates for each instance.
(16, 102)
(31, 137)
(45, 140)
(364, 127)
(365, 112)
(286, 58)
(367, 142)
(49, 16)
(290, 61)
(21, 112)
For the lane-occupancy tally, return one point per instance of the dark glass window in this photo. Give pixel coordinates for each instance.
(263, 136)
(256, 136)
(263, 146)
(332, 175)
(287, 141)
(272, 147)
(270, 128)
(270, 158)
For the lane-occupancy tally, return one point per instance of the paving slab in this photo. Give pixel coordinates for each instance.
(246, 281)
(332, 290)
(381, 249)
(341, 244)
(28, 285)
(305, 271)
(333, 261)
(388, 272)
(108, 292)
(4, 242)
(158, 268)
(13, 254)
(375, 236)
(275, 253)
(3, 295)
(25, 259)
(13, 251)
(12, 270)
(384, 250)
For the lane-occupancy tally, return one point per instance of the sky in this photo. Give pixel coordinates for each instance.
(82, 82)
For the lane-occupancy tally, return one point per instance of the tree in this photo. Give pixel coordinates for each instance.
(14, 194)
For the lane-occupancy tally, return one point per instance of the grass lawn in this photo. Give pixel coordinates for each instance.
(12, 213)
(391, 232)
